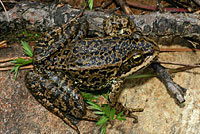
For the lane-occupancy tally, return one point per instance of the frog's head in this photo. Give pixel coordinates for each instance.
(139, 57)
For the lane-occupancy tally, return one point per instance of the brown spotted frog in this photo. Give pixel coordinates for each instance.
(66, 62)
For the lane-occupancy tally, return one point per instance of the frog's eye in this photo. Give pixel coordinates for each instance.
(137, 58)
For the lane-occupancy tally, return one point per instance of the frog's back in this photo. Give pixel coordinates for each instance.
(91, 63)
(100, 53)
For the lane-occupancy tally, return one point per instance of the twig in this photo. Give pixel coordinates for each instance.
(153, 8)
(5, 11)
(105, 5)
(24, 67)
(186, 65)
(141, 6)
(3, 44)
(179, 69)
(124, 6)
(197, 2)
(174, 89)
(10, 59)
(176, 9)
(6, 64)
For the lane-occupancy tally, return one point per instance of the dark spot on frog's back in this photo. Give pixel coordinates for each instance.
(66, 52)
(95, 79)
(108, 41)
(105, 48)
(96, 53)
(76, 50)
(82, 42)
(115, 60)
(99, 42)
(92, 71)
(89, 42)
(60, 62)
(116, 38)
(125, 44)
(108, 60)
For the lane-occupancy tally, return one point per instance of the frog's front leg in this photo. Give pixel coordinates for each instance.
(62, 99)
(117, 86)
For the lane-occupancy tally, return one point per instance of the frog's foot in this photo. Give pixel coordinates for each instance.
(90, 116)
(129, 112)
(113, 97)
(70, 120)
(61, 99)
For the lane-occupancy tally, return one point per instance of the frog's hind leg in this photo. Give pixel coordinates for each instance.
(65, 102)
(58, 38)
(113, 97)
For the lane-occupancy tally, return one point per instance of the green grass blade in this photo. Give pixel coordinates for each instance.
(112, 113)
(27, 48)
(12, 70)
(141, 76)
(102, 121)
(106, 96)
(103, 129)
(90, 3)
(106, 109)
(89, 96)
(16, 71)
(99, 112)
(118, 116)
(94, 106)
(122, 118)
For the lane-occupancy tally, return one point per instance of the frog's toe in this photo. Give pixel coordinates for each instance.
(71, 121)
(129, 112)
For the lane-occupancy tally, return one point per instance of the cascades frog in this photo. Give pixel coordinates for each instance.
(66, 62)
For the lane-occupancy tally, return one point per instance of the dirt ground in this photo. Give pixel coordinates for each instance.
(20, 113)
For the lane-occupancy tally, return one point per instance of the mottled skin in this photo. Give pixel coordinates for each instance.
(65, 63)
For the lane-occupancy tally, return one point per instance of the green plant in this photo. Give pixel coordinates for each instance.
(89, 2)
(21, 62)
(106, 112)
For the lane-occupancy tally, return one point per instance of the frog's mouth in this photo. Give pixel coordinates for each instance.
(146, 62)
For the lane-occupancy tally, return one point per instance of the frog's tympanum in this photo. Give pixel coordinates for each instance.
(66, 62)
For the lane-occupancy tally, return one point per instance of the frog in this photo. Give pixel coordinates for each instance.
(66, 62)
